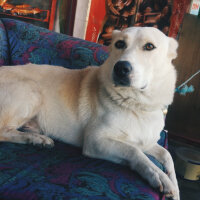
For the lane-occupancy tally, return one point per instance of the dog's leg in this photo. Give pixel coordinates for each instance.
(20, 102)
(120, 151)
(162, 155)
(12, 135)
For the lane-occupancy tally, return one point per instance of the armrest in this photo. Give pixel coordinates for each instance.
(4, 60)
(29, 43)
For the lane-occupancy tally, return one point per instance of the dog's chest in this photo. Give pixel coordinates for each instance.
(142, 129)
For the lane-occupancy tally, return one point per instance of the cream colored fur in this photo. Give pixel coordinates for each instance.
(86, 109)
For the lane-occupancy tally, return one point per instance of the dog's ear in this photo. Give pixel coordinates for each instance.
(115, 33)
(172, 50)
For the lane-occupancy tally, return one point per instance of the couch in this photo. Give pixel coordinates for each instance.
(32, 173)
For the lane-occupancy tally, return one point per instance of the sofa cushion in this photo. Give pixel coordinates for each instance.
(29, 172)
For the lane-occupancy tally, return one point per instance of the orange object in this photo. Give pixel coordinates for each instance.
(95, 20)
(2, 2)
(25, 11)
(8, 6)
(180, 7)
(52, 15)
(23, 6)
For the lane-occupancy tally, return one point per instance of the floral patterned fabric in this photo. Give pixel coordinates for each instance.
(4, 59)
(28, 43)
(33, 173)
(60, 173)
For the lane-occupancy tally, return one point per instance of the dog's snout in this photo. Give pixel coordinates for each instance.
(121, 72)
(122, 68)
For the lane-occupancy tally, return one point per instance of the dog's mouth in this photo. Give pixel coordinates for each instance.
(127, 83)
(121, 82)
(144, 87)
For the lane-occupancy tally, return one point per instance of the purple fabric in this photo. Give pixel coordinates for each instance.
(4, 58)
(29, 43)
(29, 172)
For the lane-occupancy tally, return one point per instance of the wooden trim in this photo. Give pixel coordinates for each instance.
(52, 14)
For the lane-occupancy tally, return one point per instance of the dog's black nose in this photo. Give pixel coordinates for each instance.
(122, 68)
(121, 72)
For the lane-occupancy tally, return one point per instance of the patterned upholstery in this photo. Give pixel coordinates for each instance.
(33, 173)
(4, 58)
(28, 43)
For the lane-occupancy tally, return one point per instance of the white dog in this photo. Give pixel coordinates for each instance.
(114, 112)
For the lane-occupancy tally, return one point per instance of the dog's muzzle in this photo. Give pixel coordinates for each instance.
(121, 72)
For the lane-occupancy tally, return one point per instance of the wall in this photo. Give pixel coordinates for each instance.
(183, 120)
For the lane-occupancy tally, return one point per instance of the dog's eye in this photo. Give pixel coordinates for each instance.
(149, 47)
(120, 44)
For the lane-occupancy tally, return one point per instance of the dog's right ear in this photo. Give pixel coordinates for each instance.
(173, 45)
(115, 33)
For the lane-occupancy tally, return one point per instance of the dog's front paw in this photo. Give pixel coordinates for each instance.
(176, 188)
(165, 185)
(168, 163)
(175, 196)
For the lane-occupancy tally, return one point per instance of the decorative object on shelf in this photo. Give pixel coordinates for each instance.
(183, 89)
(166, 15)
(195, 7)
(122, 14)
(41, 13)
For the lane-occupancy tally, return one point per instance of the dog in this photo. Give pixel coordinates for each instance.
(114, 112)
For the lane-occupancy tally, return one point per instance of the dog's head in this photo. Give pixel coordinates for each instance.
(137, 54)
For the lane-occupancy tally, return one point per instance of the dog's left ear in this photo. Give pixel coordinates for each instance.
(172, 49)
(115, 33)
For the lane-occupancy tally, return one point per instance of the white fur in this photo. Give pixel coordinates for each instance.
(85, 108)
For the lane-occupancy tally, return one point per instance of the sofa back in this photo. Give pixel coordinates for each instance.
(22, 43)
